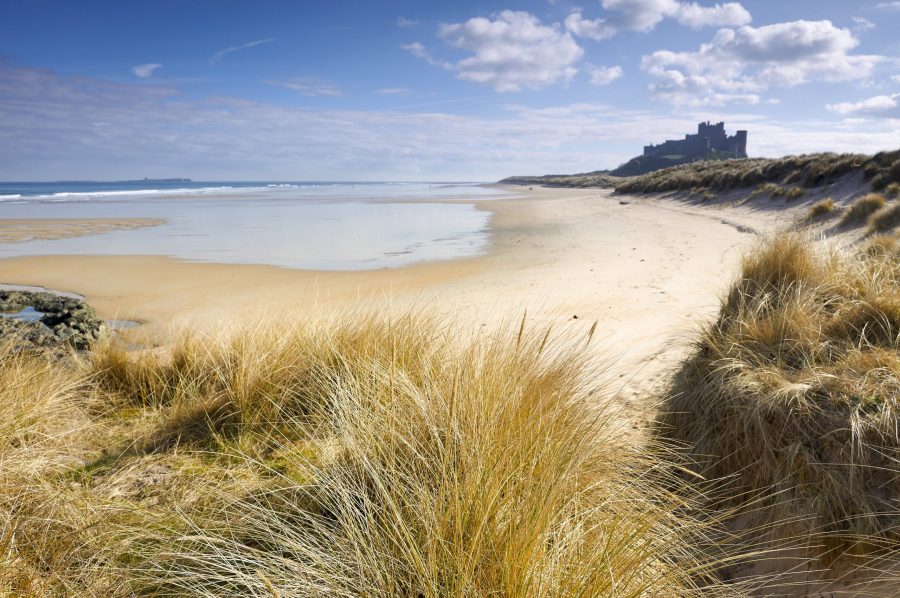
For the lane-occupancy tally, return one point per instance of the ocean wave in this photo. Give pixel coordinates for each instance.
(116, 194)
(185, 191)
(371, 191)
(80, 196)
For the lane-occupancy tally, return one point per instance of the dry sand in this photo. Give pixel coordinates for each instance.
(647, 270)
(17, 230)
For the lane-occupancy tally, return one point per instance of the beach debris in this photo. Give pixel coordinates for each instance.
(43, 319)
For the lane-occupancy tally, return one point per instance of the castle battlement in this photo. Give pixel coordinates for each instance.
(709, 138)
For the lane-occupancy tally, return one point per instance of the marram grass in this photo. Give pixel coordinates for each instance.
(792, 395)
(820, 209)
(862, 209)
(885, 220)
(361, 457)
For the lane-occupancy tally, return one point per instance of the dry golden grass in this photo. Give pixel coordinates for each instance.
(821, 208)
(862, 209)
(794, 193)
(793, 395)
(885, 220)
(437, 470)
(368, 456)
(44, 425)
(770, 189)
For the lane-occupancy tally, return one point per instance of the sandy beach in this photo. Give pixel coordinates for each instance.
(648, 271)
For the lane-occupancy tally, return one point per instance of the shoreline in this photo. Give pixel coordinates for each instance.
(647, 271)
(297, 231)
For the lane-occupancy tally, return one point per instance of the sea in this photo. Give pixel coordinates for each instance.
(303, 225)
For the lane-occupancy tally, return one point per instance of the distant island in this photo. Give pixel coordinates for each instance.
(711, 142)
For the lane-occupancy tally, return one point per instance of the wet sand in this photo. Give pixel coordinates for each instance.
(19, 230)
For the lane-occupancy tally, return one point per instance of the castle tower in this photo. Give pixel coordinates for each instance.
(740, 139)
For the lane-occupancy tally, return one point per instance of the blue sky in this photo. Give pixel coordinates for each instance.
(411, 90)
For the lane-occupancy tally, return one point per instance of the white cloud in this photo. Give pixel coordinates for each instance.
(421, 52)
(645, 15)
(739, 65)
(890, 6)
(596, 29)
(862, 24)
(393, 91)
(405, 23)
(601, 75)
(307, 87)
(222, 53)
(145, 70)
(639, 15)
(721, 15)
(895, 78)
(512, 51)
(883, 105)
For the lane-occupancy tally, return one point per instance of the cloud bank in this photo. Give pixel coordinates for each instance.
(79, 128)
(739, 65)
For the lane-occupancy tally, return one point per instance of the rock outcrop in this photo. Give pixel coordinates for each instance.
(41, 319)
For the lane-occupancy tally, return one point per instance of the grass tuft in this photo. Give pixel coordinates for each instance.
(885, 220)
(794, 193)
(862, 208)
(821, 208)
(770, 189)
(792, 394)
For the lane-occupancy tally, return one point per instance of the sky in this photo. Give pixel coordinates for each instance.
(343, 90)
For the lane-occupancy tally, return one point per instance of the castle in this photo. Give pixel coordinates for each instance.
(709, 138)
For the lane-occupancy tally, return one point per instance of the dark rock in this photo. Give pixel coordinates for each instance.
(65, 320)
